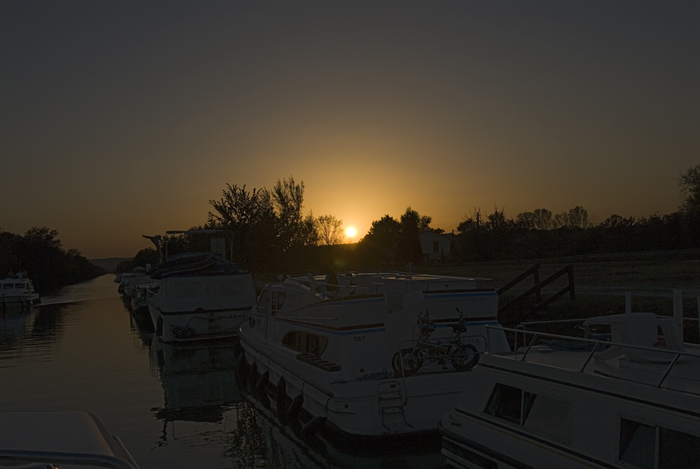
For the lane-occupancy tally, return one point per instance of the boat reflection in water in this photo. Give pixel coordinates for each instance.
(30, 328)
(198, 380)
(16, 324)
(200, 386)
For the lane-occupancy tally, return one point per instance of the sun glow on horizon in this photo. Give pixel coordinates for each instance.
(350, 231)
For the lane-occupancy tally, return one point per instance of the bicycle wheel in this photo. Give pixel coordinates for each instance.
(411, 362)
(463, 357)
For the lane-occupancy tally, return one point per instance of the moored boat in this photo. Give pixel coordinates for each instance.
(632, 401)
(18, 290)
(366, 355)
(199, 296)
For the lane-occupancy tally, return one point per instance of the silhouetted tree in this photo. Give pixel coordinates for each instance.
(385, 232)
(576, 217)
(293, 229)
(377, 246)
(422, 222)
(249, 222)
(330, 229)
(525, 220)
(689, 183)
(40, 254)
(409, 247)
(542, 219)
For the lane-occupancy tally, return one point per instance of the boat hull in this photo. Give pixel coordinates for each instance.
(199, 307)
(9, 303)
(376, 406)
(183, 326)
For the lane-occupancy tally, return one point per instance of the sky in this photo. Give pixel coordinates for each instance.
(119, 119)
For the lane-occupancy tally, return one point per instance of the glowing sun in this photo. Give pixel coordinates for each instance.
(351, 231)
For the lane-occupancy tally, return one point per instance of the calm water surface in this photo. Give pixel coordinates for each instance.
(172, 407)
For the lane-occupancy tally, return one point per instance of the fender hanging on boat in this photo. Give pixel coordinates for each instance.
(264, 378)
(295, 407)
(312, 427)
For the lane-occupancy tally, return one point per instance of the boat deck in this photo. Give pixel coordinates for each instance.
(659, 367)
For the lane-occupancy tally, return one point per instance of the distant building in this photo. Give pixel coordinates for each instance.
(435, 247)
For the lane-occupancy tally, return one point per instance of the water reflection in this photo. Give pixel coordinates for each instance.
(142, 329)
(30, 333)
(16, 324)
(258, 441)
(173, 406)
(198, 380)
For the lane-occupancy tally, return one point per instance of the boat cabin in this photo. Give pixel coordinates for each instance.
(355, 323)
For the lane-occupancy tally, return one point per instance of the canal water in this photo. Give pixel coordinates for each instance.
(172, 406)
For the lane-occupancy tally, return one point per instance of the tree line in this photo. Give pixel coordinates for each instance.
(268, 231)
(40, 254)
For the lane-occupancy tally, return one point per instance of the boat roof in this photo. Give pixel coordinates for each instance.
(636, 354)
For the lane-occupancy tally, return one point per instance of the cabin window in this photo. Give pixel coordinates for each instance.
(436, 246)
(538, 414)
(678, 449)
(278, 298)
(642, 445)
(637, 444)
(262, 302)
(7, 286)
(305, 343)
(547, 417)
(505, 403)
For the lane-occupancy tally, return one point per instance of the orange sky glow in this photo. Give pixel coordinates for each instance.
(126, 119)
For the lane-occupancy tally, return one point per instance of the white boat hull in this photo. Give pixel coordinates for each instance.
(380, 405)
(198, 325)
(200, 306)
(336, 350)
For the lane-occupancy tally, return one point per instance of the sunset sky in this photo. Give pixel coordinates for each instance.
(125, 118)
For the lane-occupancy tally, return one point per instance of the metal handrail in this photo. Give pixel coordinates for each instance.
(677, 355)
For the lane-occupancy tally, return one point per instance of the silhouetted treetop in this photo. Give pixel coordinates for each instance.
(689, 183)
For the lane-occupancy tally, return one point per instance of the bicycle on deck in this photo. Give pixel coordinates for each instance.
(453, 349)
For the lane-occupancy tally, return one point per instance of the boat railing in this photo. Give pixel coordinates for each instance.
(334, 290)
(666, 359)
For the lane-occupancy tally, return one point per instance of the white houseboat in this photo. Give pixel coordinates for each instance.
(17, 290)
(558, 401)
(199, 296)
(367, 355)
(134, 287)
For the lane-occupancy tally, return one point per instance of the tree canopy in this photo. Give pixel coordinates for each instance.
(268, 230)
(40, 253)
(330, 230)
(689, 183)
